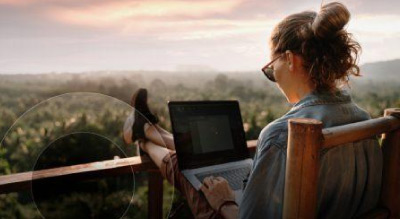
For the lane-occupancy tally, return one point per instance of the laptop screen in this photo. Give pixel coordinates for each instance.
(207, 132)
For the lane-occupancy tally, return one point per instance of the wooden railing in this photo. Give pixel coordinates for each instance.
(306, 138)
(23, 181)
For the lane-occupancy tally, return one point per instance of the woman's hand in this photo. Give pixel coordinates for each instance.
(216, 191)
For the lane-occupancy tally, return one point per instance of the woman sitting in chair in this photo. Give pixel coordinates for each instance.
(312, 55)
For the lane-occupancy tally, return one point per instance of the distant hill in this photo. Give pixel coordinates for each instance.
(195, 76)
(382, 71)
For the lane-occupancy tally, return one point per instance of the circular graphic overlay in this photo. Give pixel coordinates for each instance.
(91, 195)
(80, 128)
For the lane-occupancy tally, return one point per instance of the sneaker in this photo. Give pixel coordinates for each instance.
(134, 124)
(128, 136)
(127, 130)
(139, 102)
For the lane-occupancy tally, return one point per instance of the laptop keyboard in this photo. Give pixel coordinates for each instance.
(234, 177)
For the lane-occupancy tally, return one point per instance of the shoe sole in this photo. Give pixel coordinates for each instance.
(141, 94)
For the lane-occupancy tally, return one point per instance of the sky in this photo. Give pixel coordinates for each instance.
(38, 36)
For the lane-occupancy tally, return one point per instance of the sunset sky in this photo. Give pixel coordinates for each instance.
(168, 35)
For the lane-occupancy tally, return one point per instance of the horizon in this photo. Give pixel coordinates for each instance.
(208, 72)
(45, 36)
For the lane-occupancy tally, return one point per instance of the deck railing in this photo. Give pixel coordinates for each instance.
(306, 138)
(23, 181)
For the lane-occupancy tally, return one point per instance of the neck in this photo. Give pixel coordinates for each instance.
(299, 93)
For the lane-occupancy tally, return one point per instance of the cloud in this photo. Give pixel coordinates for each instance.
(113, 13)
(375, 28)
(381, 7)
(211, 29)
(378, 23)
(164, 20)
(27, 3)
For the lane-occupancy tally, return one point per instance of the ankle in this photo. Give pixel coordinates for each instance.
(146, 129)
(160, 130)
(142, 145)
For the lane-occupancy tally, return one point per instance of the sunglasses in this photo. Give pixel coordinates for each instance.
(268, 71)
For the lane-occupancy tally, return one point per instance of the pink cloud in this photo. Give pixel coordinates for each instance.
(117, 13)
(26, 2)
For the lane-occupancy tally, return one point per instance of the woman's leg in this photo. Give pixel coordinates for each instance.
(166, 161)
(155, 152)
(159, 136)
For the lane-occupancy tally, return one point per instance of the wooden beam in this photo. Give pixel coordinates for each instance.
(155, 196)
(302, 165)
(390, 193)
(22, 181)
(360, 130)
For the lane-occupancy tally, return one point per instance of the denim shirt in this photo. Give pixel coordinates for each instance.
(349, 175)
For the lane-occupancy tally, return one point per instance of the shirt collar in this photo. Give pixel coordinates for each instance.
(320, 98)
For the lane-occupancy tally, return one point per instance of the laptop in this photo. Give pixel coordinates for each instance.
(210, 140)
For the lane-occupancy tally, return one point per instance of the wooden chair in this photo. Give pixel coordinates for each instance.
(306, 138)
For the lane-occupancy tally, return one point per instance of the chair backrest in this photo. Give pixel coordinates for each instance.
(306, 138)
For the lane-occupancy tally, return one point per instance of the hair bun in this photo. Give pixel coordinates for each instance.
(331, 18)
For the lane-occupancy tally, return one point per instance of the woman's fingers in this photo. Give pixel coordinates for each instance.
(220, 179)
(213, 181)
(208, 181)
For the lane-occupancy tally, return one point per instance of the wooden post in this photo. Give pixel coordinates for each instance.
(302, 165)
(390, 194)
(155, 195)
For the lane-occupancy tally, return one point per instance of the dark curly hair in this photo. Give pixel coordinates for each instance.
(329, 52)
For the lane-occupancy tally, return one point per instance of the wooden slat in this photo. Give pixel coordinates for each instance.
(390, 193)
(22, 181)
(360, 130)
(302, 164)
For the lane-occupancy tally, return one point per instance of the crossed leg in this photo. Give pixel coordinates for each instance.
(156, 139)
(165, 159)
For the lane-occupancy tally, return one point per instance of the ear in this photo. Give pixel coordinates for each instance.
(290, 59)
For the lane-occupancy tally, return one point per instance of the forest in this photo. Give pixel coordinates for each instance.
(59, 119)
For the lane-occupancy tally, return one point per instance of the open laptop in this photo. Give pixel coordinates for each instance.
(210, 140)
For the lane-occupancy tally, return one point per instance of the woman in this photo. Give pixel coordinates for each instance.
(312, 56)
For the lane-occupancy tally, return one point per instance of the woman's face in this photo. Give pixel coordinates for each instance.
(281, 73)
